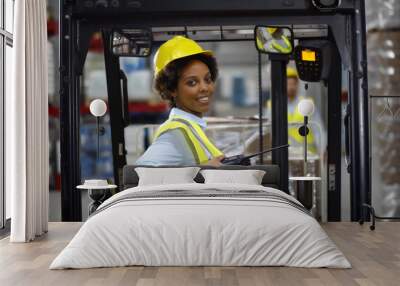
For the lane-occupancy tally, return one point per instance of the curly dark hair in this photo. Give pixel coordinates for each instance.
(166, 81)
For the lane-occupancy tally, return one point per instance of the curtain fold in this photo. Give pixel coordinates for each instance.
(27, 172)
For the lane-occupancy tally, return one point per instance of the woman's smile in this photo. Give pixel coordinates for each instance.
(203, 99)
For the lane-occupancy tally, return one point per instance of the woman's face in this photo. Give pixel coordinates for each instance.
(195, 88)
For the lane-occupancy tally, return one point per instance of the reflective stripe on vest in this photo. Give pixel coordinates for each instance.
(195, 137)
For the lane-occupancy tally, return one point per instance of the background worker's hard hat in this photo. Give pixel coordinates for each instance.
(291, 72)
(271, 30)
(176, 48)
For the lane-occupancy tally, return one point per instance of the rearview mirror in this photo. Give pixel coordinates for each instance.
(274, 39)
(131, 42)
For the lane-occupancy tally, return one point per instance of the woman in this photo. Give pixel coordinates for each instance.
(185, 75)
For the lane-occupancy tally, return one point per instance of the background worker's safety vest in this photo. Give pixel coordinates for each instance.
(195, 138)
(297, 117)
(283, 45)
(293, 131)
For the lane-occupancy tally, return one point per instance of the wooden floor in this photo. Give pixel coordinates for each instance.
(374, 255)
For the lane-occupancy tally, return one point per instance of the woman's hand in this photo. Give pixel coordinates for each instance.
(215, 162)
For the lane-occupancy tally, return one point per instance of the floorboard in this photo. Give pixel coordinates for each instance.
(374, 255)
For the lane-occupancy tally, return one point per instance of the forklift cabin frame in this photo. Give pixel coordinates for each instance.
(346, 30)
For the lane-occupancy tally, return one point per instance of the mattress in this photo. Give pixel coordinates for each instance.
(201, 225)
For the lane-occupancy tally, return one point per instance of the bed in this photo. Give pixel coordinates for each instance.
(201, 224)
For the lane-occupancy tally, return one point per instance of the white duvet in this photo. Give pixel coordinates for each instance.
(183, 231)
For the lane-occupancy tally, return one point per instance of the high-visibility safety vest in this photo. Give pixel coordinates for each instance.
(195, 138)
(284, 46)
(293, 131)
(297, 117)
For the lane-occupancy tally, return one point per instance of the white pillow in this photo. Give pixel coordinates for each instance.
(248, 177)
(166, 176)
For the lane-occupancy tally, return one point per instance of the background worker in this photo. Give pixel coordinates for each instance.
(185, 75)
(316, 136)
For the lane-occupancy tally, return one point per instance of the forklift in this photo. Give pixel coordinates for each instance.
(327, 37)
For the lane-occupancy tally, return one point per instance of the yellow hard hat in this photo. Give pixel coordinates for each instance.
(291, 72)
(176, 48)
(271, 30)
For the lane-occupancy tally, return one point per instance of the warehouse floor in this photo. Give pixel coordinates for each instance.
(374, 255)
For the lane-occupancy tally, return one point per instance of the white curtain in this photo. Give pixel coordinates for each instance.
(27, 164)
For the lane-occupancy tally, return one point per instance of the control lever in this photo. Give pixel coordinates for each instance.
(245, 160)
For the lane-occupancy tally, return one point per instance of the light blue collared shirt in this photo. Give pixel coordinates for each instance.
(189, 116)
(170, 148)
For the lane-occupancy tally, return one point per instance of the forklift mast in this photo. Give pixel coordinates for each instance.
(342, 23)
